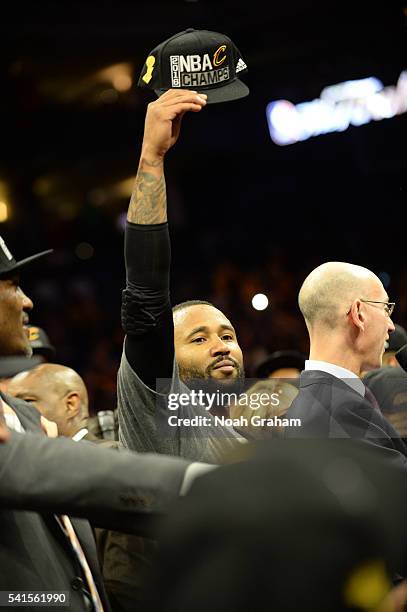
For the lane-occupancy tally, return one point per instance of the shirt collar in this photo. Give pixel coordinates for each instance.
(347, 376)
(80, 434)
(10, 418)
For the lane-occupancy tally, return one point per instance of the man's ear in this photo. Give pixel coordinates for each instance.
(357, 315)
(73, 404)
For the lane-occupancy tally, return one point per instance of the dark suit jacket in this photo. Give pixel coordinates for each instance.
(40, 477)
(329, 408)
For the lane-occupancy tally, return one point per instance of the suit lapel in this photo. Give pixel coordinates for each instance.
(29, 416)
(87, 541)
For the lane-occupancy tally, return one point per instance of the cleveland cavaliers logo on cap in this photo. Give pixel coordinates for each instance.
(217, 59)
(198, 70)
(33, 334)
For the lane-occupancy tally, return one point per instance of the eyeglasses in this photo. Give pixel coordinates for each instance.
(388, 306)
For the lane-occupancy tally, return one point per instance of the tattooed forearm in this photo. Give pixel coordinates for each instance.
(148, 204)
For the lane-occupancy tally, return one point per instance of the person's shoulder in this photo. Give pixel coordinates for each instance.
(316, 377)
(318, 382)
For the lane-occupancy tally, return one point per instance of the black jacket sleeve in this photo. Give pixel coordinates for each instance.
(113, 489)
(146, 308)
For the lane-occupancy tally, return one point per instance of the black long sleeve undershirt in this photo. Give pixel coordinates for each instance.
(146, 308)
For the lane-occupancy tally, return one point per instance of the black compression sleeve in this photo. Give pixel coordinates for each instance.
(146, 309)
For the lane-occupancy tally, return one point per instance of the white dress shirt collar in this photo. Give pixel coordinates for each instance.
(347, 376)
(13, 422)
(80, 434)
(10, 418)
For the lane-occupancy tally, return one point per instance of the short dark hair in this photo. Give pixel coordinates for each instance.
(189, 303)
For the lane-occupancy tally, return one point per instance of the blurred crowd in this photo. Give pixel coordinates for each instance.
(82, 314)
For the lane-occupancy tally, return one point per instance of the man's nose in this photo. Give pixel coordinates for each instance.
(219, 348)
(27, 302)
(391, 327)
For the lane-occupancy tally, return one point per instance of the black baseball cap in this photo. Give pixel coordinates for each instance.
(280, 359)
(205, 61)
(40, 343)
(389, 387)
(397, 338)
(8, 264)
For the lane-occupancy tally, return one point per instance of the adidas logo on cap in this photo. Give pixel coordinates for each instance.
(240, 66)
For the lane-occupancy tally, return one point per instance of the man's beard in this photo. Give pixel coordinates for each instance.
(202, 380)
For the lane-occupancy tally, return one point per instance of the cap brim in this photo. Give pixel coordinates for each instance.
(25, 262)
(48, 352)
(232, 91)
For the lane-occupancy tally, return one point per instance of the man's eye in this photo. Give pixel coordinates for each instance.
(198, 340)
(227, 337)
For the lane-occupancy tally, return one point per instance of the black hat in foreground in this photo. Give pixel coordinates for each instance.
(280, 359)
(304, 525)
(207, 62)
(8, 264)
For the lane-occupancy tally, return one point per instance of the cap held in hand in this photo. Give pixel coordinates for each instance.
(207, 62)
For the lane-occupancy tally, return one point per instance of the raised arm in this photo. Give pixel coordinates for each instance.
(146, 308)
(148, 204)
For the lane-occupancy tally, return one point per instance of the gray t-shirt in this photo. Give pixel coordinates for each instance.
(143, 421)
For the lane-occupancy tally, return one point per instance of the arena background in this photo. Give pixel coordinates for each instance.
(246, 215)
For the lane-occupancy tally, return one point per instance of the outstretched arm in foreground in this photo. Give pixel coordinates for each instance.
(116, 490)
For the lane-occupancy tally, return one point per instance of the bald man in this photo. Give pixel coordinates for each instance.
(348, 316)
(59, 394)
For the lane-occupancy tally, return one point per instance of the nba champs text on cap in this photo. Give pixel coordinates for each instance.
(205, 61)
